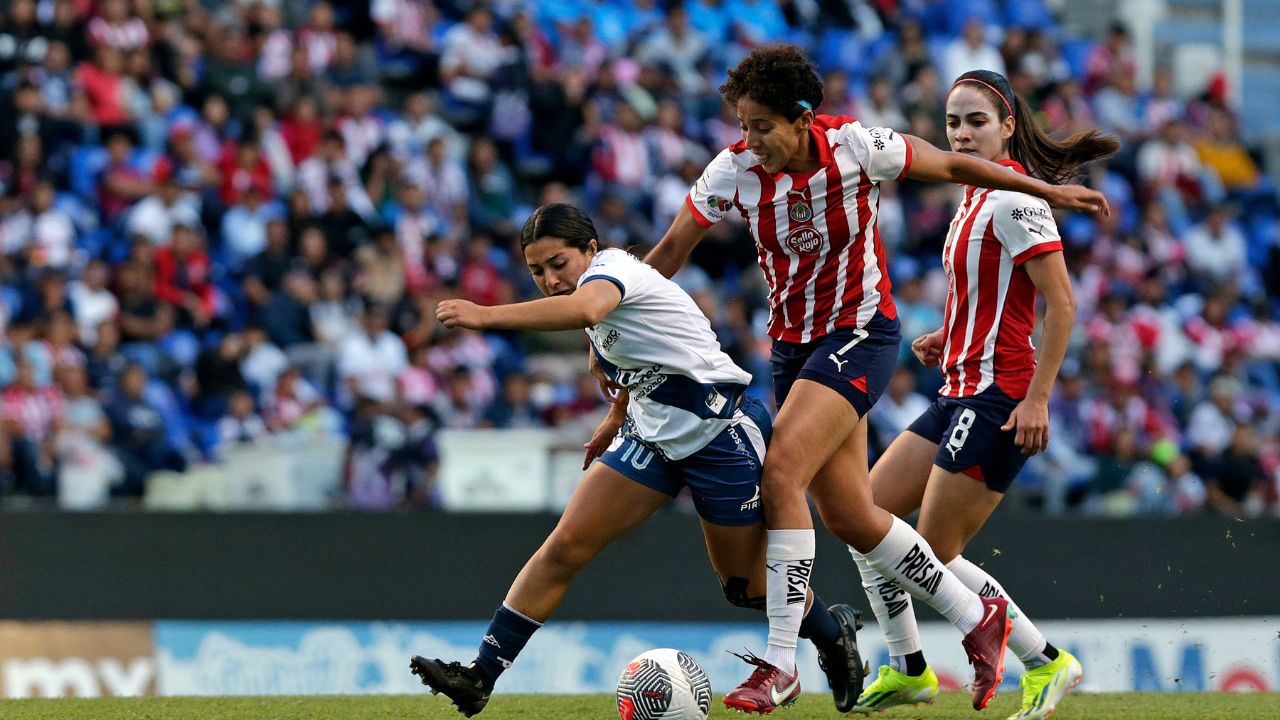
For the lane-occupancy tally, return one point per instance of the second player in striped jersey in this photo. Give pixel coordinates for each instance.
(957, 459)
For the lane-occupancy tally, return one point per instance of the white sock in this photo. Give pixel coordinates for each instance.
(894, 613)
(788, 562)
(904, 557)
(1026, 641)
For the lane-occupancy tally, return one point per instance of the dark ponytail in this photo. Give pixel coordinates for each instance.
(559, 220)
(1051, 160)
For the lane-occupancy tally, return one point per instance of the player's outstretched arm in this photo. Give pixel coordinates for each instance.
(934, 165)
(587, 306)
(672, 251)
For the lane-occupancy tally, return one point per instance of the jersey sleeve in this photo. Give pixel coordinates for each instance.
(711, 197)
(619, 268)
(1025, 227)
(884, 153)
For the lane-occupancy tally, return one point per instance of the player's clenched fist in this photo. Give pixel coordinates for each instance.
(460, 314)
(928, 348)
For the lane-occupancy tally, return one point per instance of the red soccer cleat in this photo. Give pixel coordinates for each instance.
(985, 646)
(766, 690)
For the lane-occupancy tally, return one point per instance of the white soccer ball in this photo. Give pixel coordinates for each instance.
(663, 684)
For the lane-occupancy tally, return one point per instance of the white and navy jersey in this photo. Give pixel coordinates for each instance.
(991, 301)
(815, 232)
(659, 346)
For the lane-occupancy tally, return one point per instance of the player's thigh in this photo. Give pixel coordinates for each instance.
(956, 506)
(810, 429)
(606, 505)
(841, 490)
(737, 555)
(900, 476)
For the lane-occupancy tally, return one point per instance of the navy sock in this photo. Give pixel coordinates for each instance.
(913, 664)
(503, 641)
(819, 627)
(1049, 651)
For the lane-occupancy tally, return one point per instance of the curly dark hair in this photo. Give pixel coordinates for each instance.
(778, 77)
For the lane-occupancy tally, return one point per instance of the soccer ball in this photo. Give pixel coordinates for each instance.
(663, 684)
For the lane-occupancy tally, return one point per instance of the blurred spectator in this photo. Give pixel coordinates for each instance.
(1222, 151)
(121, 182)
(970, 51)
(295, 404)
(86, 466)
(1238, 485)
(183, 278)
(1210, 427)
(678, 46)
(444, 182)
(154, 216)
(371, 357)
(263, 361)
(1117, 108)
(1216, 249)
(93, 302)
(332, 162)
(470, 57)
(514, 408)
(240, 424)
(118, 28)
(30, 414)
(879, 109)
(1108, 58)
(138, 433)
(899, 407)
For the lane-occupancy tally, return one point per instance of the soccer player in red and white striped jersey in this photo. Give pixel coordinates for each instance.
(956, 461)
(807, 185)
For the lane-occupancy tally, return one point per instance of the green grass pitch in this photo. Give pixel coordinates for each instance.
(950, 706)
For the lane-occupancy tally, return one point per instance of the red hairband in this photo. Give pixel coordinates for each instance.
(985, 85)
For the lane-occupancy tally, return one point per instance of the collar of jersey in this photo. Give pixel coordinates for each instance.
(1017, 166)
(825, 157)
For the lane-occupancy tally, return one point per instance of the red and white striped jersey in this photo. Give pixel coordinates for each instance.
(991, 311)
(815, 232)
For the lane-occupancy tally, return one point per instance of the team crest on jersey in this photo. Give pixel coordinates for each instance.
(804, 240)
(717, 203)
(801, 212)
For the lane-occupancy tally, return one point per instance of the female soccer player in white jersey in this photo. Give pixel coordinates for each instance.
(957, 460)
(684, 420)
(807, 186)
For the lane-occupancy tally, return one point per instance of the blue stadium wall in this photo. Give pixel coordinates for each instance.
(435, 566)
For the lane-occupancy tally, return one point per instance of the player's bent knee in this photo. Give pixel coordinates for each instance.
(736, 591)
(566, 553)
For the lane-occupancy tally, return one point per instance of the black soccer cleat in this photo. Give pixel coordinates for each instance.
(844, 668)
(460, 683)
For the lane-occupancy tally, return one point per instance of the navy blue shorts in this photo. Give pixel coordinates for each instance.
(724, 476)
(855, 362)
(970, 441)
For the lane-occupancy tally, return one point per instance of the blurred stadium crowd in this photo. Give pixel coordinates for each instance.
(223, 221)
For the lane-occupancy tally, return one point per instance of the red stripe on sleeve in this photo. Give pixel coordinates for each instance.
(910, 156)
(1034, 250)
(703, 220)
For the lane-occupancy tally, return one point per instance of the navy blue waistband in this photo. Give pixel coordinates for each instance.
(708, 401)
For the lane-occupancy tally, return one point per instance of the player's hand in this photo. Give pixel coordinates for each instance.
(928, 348)
(1030, 419)
(460, 314)
(608, 388)
(1079, 197)
(602, 437)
